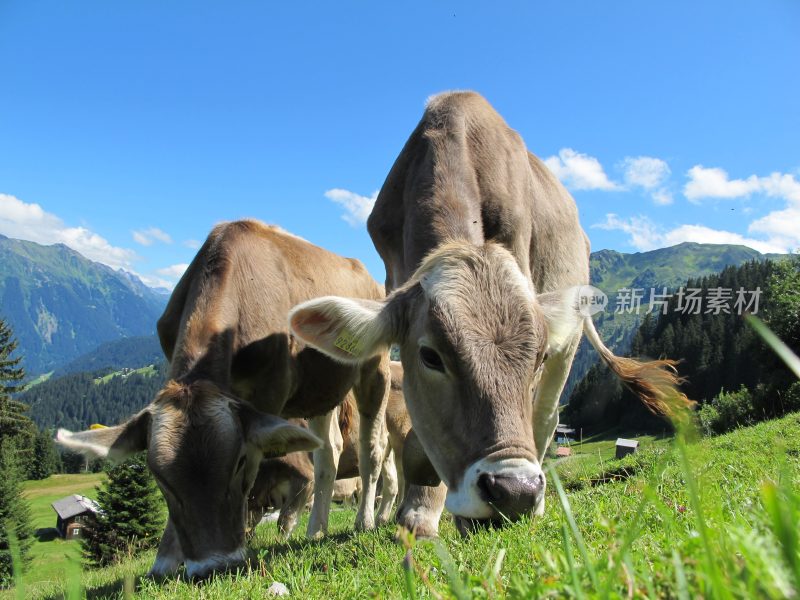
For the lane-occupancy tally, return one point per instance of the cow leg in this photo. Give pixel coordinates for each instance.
(421, 509)
(388, 488)
(170, 554)
(372, 395)
(300, 491)
(545, 404)
(326, 462)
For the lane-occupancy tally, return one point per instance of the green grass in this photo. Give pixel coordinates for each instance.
(37, 380)
(148, 371)
(714, 519)
(52, 559)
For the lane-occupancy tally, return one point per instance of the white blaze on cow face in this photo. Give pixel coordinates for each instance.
(472, 341)
(505, 488)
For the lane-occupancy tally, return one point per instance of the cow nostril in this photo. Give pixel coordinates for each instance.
(484, 485)
(510, 495)
(490, 491)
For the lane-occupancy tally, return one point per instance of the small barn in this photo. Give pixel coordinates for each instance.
(564, 434)
(75, 513)
(625, 447)
(563, 451)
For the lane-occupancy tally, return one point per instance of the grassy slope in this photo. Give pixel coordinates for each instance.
(718, 545)
(148, 371)
(51, 558)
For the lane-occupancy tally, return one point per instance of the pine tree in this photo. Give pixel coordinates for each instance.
(15, 516)
(46, 459)
(131, 514)
(14, 424)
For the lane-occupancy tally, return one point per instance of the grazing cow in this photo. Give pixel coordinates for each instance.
(485, 257)
(286, 483)
(233, 362)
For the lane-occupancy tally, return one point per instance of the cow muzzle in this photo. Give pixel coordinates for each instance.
(499, 491)
(510, 495)
(215, 564)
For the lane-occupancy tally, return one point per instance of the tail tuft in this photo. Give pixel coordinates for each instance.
(655, 382)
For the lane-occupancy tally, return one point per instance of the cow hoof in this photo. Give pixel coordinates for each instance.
(164, 568)
(364, 525)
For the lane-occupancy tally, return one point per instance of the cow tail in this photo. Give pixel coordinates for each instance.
(655, 382)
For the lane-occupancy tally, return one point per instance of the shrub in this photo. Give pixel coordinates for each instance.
(726, 411)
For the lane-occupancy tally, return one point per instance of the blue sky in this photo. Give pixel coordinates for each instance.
(128, 129)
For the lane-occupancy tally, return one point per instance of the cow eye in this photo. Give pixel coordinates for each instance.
(240, 465)
(431, 359)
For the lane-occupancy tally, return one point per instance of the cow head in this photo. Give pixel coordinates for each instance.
(204, 449)
(473, 337)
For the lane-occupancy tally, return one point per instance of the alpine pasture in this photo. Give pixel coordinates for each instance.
(682, 518)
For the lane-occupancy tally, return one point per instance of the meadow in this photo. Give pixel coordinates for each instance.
(714, 518)
(52, 558)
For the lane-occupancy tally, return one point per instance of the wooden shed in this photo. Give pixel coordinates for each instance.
(625, 447)
(564, 434)
(563, 451)
(75, 513)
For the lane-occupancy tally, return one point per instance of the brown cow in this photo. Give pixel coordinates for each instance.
(286, 483)
(232, 363)
(485, 256)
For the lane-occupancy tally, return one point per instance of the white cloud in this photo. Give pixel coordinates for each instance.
(646, 235)
(31, 222)
(648, 173)
(715, 183)
(662, 197)
(146, 237)
(579, 171)
(155, 282)
(173, 271)
(645, 171)
(782, 227)
(357, 207)
(193, 244)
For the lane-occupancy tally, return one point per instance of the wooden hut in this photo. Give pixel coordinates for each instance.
(625, 447)
(75, 513)
(563, 451)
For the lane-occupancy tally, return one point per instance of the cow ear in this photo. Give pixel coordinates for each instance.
(346, 329)
(564, 318)
(275, 437)
(114, 443)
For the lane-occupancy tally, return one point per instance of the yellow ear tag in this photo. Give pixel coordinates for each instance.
(348, 342)
(97, 426)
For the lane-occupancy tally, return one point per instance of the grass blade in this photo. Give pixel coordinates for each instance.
(579, 542)
(573, 569)
(681, 585)
(790, 358)
(451, 570)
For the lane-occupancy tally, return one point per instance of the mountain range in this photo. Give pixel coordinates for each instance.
(62, 305)
(71, 314)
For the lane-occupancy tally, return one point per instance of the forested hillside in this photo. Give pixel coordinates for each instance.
(670, 267)
(78, 400)
(62, 305)
(719, 351)
(129, 352)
